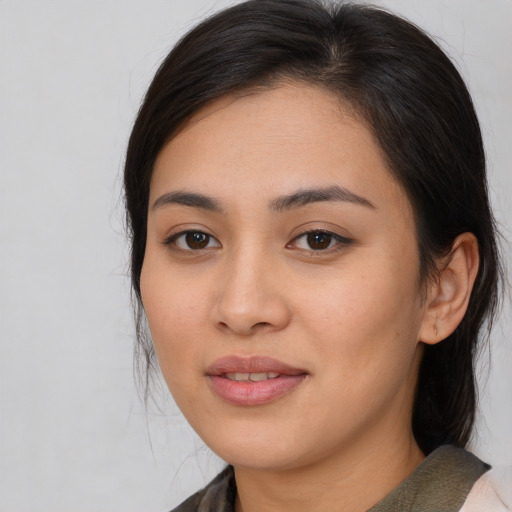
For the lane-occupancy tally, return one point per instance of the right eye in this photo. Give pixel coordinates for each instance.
(192, 241)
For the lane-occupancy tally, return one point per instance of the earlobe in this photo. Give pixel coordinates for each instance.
(449, 292)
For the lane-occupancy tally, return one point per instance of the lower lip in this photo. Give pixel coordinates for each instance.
(254, 393)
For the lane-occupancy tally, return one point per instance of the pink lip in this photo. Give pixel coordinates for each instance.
(253, 393)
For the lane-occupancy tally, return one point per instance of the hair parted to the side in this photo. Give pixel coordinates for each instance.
(415, 102)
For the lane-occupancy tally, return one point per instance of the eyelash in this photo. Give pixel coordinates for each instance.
(334, 241)
(172, 240)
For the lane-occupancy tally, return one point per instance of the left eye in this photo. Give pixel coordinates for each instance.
(319, 240)
(192, 241)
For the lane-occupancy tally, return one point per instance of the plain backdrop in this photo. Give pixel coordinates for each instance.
(74, 435)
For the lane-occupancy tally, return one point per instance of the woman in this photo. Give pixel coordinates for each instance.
(314, 251)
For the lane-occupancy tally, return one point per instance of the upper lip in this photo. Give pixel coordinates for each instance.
(252, 364)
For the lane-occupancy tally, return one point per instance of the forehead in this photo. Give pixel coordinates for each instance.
(274, 141)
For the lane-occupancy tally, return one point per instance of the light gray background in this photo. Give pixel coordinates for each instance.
(73, 434)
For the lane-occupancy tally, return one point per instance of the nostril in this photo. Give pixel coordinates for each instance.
(262, 324)
(251, 329)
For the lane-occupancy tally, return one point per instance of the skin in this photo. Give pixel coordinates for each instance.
(353, 315)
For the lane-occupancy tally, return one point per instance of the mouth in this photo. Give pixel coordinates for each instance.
(251, 377)
(253, 381)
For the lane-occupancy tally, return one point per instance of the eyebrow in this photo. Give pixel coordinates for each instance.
(188, 199)
(304, 197)
(291, 201)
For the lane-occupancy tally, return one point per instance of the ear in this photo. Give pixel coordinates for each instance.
(449, 292)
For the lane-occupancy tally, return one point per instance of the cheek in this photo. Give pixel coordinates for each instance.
(366, 320)
(363, 334)
(175, 314)
(175, 317)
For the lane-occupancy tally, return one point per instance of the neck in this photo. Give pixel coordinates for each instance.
(354, 481)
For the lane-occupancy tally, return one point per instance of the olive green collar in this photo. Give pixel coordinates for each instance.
(440, 483)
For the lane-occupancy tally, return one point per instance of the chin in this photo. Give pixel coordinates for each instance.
(261, 447)
(261, 458)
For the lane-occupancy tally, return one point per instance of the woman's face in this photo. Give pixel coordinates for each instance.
(281, 281)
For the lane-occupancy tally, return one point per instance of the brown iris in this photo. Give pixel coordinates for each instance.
(318, 240)
(197, 240)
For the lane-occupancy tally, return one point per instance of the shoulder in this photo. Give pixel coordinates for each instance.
(217, 496)
(441, 482)
(191, 504)
(492, 492)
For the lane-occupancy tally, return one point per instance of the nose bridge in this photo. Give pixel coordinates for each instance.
(249, 298)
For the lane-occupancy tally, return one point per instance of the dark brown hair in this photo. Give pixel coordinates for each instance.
(413, 99)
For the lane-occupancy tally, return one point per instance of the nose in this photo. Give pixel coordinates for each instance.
(251, 297)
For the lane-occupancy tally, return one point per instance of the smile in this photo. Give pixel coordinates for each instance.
(253, 381)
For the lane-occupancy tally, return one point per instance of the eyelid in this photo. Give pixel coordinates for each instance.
(170, 240)
(342, 241)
